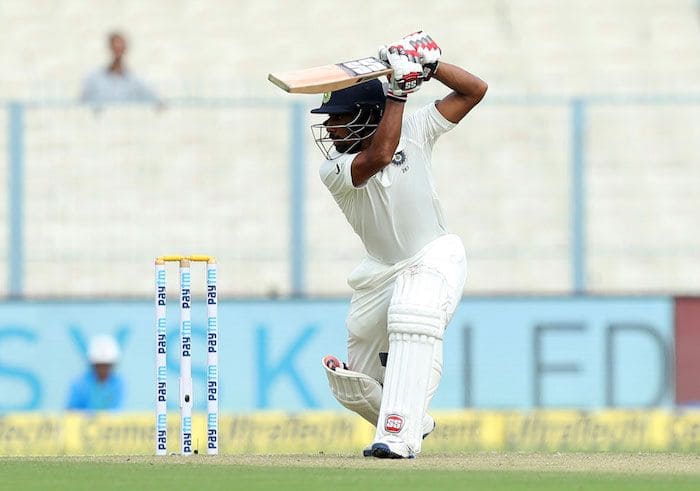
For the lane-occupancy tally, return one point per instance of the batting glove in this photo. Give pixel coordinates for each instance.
(428, 50)
(408, 72)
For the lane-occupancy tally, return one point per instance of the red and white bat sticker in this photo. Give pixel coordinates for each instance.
(393, 423)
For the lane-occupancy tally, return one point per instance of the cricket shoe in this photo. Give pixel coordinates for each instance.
(428, 425)
(387, 452)
(389, 448)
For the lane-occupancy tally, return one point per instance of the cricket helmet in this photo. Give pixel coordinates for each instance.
(350, 99)
(365, 101)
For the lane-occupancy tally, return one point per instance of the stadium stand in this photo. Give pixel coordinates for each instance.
(211, 172)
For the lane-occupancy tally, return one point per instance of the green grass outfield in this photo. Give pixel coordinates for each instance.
(487, 471)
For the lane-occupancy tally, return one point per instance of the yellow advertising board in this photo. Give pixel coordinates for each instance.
(329, 432)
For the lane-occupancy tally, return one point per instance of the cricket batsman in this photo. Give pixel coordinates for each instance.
(406, 289)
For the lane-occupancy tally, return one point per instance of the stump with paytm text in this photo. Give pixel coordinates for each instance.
(212, 374)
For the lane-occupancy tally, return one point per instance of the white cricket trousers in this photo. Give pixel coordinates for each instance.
(373, 283)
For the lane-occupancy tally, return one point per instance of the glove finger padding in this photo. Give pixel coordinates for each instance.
(382, 54)
(408, 72)
(428, 50)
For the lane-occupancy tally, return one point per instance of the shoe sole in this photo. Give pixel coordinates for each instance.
(382, 451)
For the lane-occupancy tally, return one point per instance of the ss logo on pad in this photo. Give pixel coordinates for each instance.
(393, 423)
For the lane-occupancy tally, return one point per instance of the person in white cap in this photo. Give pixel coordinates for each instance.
(99, 388)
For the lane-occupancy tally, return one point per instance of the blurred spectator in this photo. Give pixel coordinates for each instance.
(116, 83)
(99, 388)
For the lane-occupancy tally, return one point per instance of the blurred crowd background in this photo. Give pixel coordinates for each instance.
(578, 173)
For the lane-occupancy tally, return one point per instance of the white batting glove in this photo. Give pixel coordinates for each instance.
(408, 72)
(428, 50)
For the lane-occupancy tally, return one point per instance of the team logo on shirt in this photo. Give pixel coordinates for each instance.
(399, 158)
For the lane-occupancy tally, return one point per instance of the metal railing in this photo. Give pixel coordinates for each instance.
(573, 145)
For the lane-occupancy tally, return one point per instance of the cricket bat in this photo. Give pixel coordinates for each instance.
(328, 78)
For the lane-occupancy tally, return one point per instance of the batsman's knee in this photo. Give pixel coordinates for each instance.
(412, 320)
(354, 390)
(422, 302)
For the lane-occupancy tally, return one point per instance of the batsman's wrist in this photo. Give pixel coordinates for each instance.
(429, 70)
(396, 98)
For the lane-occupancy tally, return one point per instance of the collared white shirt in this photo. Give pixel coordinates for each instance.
(397, 211)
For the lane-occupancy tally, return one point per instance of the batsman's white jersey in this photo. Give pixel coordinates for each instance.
(397, 211)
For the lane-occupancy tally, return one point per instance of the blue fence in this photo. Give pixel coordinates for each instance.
(516, 353)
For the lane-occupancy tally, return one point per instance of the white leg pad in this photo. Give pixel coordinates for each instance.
(414, 330)
(356, 391)
(423, 301)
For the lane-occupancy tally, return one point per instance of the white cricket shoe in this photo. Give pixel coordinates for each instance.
(389, 448)
(393, 448)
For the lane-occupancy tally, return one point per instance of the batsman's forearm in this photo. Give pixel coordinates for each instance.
(388, 134)
(384, 142)
(461, 81)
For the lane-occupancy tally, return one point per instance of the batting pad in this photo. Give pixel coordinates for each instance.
(356, 391)
(413, 331)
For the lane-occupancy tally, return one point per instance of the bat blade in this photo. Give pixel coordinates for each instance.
(328, 78)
